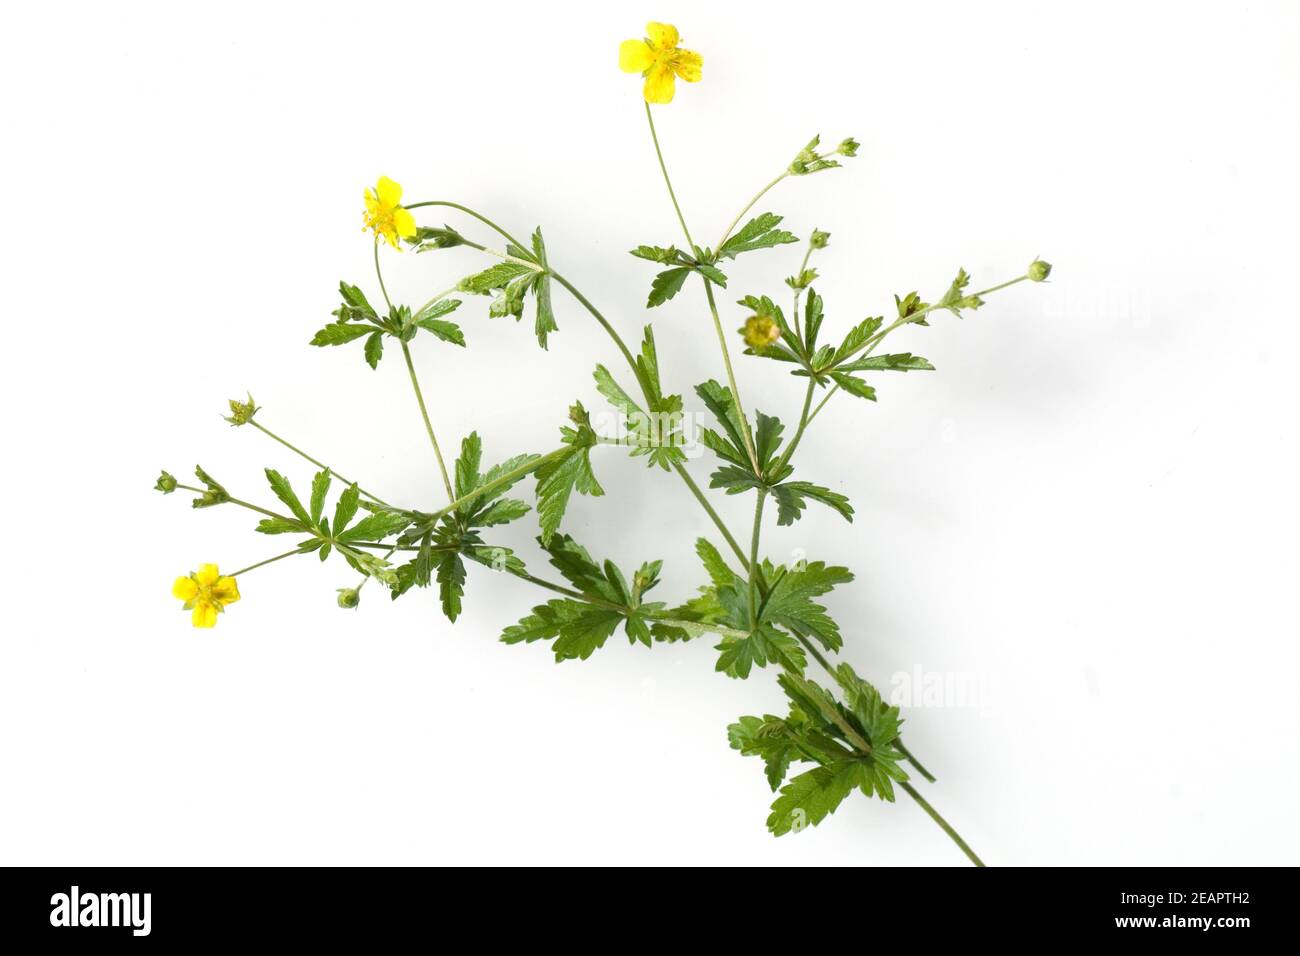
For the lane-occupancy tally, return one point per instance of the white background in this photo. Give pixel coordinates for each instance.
(1089, 508)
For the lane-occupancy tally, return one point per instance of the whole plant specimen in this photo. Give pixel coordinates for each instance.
(842, 735)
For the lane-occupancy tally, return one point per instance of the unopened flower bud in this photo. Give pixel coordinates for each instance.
(819, 239)
(760, 331)
(1039, 270)
(166, 483)
(349, 598)
(848, 147)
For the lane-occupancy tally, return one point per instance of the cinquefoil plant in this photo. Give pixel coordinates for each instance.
(842, 735)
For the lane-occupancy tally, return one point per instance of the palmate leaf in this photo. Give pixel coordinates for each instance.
(512, 280)
(789, 603)
(765, 737)
(763, 645)
(578, 627)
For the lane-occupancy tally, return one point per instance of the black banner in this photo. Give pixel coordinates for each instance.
(133, 907)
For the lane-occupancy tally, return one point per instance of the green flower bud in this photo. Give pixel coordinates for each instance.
(166, 483)
(1039, 270)
(819, 239)
(241, 413)
(848, 147)
(349, 598)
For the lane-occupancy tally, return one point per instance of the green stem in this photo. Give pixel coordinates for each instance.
(753, 558)
(428, 425)
(798, 291)
(437, 298)
(471, 213)
(946, 827)
(803, 424)
(298, 451)
(717, 521)
(869, 346)
(731, 381)
(278, 557)
(663, 168)
(623, 349)
(748, 206)
(380, 275)
(898, 743)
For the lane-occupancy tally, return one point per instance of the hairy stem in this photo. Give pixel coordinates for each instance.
(748, 206)
(278, 557)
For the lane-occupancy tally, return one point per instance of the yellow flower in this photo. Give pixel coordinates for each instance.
(384, 212)
(760, 331)
(658, 59)
(206, 593)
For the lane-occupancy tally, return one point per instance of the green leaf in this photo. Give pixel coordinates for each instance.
(545, 322)
(579, 629)
(437, 309)
(346, 508)
(854, 386)
(375, 527)
(283, 491)
(899, 362)
(501, 512)
(857, 338)
(666, 285)
(759, 233)
(812, 796)
(790, 501)
(712, 273)
(428, 238)
(451, 583)
(320, 486)
(354, 298)
(664, 254)
(281, 526)
(763, 644)
(374, 349)
(556, 480)
(789, 602)
(340, 333)
(765, 737)
(496, 276)
(467, 465)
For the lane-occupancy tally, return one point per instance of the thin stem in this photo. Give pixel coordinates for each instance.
(428, 425)
(803, 424)
(380, 275)
(704, 503)
(278, 557)
(437, 298)
(798, 290)
(753, 558)
(947, 828)
(898, 743)
(870, 344)
(469, 212)
(298, 451)
(748, 206)
(663, 168)
(623, 349)
(731, 379)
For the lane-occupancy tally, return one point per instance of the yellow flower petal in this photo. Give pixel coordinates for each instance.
(207, 575)
(389, 192)
(688, 65)
(184, 589)
(634, 56)
(663, 36)
(404, 222)
(225, 591)
(659, 84)
(205, 615)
